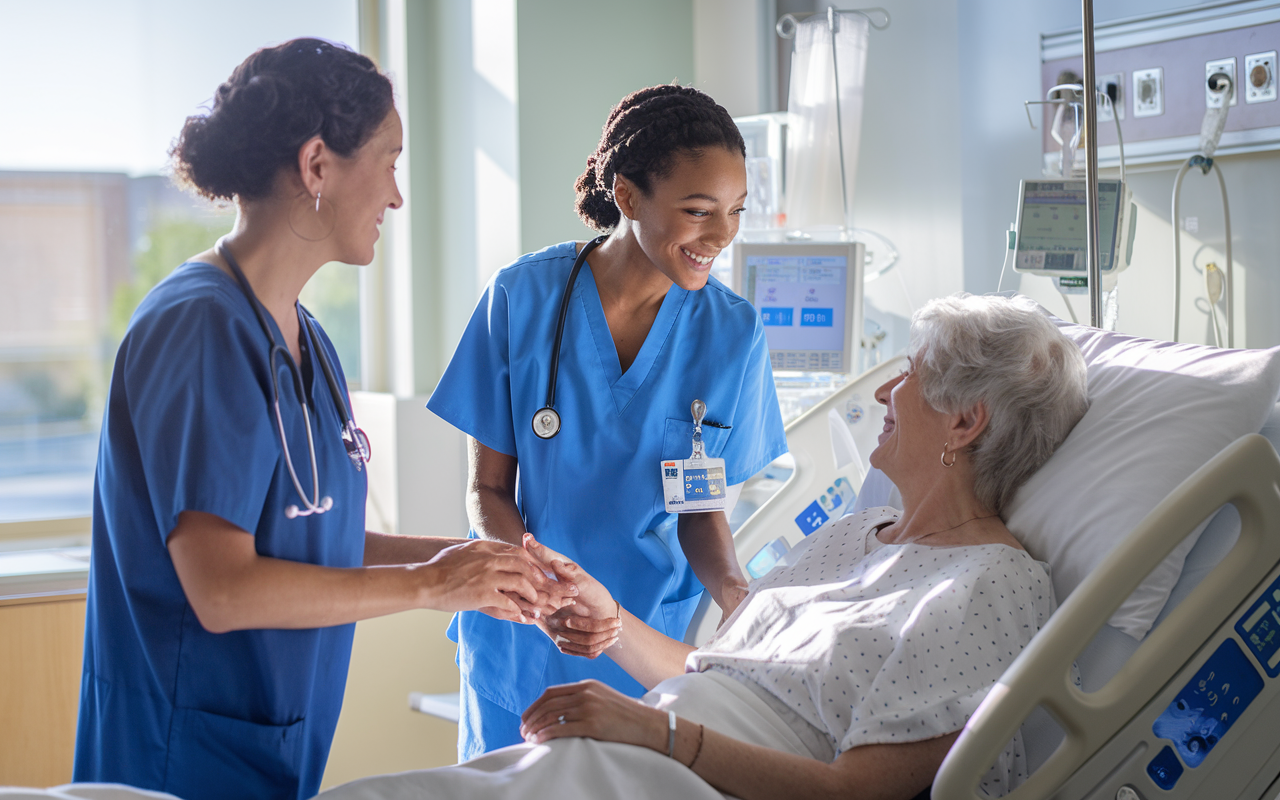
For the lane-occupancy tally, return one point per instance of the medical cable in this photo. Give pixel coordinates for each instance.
(1210, 133)
(546, 420)
(354, 440)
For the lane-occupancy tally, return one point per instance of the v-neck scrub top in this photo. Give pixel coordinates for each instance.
(189, 426)
(594, 491)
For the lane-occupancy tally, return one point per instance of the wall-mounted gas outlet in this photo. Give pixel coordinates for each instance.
(1260, 77)
(1226, 66)
(1113, 87)
(1148, 92)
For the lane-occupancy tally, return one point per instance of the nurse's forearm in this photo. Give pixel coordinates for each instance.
(385, 548)
(231, 587)
(708, 546)
(494, 515)
(491, 494)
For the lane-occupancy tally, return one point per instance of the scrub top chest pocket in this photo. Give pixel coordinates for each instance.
(693, 484)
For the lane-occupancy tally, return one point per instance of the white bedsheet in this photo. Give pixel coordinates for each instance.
(83, 791)
(566, 769)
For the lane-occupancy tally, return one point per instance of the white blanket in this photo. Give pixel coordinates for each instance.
(83, 791)
(565, 769)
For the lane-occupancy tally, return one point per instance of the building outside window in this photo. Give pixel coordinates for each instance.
(89, 220)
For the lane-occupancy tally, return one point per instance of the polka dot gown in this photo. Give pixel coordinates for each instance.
(874, 643)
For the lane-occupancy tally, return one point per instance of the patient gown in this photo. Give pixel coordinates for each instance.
(849, 642)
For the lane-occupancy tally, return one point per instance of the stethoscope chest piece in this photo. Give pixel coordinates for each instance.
(546, 423)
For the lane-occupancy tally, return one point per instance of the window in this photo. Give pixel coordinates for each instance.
(88, 220)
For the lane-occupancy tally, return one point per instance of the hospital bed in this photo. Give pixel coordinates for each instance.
(1193, 710)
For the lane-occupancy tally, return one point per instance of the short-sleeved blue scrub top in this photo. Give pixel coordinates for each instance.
(165, 704)
(594, 491)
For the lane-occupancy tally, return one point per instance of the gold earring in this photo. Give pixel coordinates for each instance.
(954, 455)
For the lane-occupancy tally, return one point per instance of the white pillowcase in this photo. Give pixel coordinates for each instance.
(1158, 411)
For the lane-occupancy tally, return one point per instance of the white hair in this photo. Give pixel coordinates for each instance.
(1006, 354)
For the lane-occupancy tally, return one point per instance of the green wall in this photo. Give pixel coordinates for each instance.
(575, 60)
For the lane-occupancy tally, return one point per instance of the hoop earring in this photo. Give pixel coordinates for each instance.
(954, 455)
(312, 226)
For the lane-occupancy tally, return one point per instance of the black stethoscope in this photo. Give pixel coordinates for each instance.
(546, 422)
(353, 439)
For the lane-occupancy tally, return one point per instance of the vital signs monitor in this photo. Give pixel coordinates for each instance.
(809, 297)
(1051, 227)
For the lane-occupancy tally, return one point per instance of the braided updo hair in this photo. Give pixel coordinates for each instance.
(273, 103)
(642, 138)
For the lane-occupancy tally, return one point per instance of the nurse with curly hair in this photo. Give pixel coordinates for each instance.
(646, 332)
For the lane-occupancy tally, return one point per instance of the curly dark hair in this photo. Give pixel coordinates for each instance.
(642, 138)
(275, 101)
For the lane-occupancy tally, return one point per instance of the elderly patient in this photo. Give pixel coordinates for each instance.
(849, 669)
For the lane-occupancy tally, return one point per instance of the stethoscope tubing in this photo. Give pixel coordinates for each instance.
(560, 322)
(315, 504)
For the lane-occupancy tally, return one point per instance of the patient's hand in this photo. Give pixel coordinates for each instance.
(592, 709)
(588, 626)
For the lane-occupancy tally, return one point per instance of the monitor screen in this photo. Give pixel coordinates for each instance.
(1051, 226)
(804, 303)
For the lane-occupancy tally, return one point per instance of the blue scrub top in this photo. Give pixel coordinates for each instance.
(594, 492)
(165, 704)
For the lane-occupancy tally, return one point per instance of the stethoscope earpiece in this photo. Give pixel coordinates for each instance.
(546, 422)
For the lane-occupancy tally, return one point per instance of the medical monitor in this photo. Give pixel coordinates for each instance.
(809, 297)
(1051, 227)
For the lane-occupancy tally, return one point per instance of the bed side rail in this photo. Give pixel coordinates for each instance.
(1245, 474)
(809, 440)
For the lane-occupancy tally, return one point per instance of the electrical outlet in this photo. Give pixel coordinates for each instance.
(1260, 77)
(1112, 86)
(1226, 66)
(1148, 92)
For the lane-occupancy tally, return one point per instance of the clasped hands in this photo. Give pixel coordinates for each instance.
(590, 622)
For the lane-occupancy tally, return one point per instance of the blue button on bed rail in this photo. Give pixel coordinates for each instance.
(1165, 769)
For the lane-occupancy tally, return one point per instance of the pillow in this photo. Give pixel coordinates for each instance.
(1157, 412)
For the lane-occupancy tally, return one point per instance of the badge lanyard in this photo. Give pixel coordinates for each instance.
(696, 483)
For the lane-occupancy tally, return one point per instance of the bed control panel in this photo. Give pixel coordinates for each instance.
(1259, 628)
(1208, 705)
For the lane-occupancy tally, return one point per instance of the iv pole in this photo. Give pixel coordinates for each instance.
(1091, 168)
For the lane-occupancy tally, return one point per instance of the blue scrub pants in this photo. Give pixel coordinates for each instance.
(483, 725)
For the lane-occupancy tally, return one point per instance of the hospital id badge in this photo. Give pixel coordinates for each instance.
(696, 483)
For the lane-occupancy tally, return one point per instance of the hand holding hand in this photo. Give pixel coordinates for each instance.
(499, 579)
(576, 634)
(592, 624)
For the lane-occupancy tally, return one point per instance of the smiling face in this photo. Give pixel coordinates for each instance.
(689, 215)
(361, 189)
(914, 431)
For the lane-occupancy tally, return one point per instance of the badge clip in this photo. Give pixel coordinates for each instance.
(697, 483)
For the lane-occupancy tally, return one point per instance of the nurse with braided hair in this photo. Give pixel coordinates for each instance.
(647, 331)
